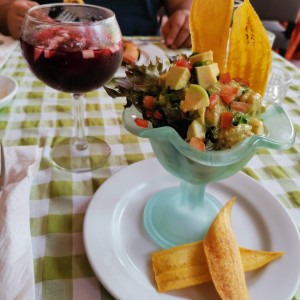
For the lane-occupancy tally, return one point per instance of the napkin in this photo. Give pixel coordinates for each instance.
(16, 259)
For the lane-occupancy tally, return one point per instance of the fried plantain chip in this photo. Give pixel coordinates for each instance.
(186, 265)
(250, 52)
(209, 26)
(131, 53)
(180, 267)
(223, 257)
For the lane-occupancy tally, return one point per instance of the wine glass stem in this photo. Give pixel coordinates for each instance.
(191, 194)
(80, 138)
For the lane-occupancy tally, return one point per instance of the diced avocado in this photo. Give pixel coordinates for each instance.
(206, 75)
(177, 77)
(195, 129)
(216, 70)
(204, 56)
(195, 98)
(201, 112)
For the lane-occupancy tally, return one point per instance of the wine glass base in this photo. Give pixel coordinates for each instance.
(67, 157)
(169, 221)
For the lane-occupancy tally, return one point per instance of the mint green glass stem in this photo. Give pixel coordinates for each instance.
(180, 215)
(192, 195)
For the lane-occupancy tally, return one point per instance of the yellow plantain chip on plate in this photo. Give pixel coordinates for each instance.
(209, 25)
(250, 52)
(186, 265)
(223, 257)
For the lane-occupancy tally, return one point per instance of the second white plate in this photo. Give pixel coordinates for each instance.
(119, 249)
(148, 52)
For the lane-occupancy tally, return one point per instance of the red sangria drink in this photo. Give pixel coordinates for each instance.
(70, 60)
(76, 49)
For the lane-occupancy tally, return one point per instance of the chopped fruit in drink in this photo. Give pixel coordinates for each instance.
(88, 54)
(114, 48)
(37, 53)
(49, 53)
(44, 35)
(102, 52)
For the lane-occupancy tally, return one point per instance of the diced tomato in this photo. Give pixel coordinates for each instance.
(181, 62)
(213, 100)
(148, 102)
(149, 113)
(225, 78)
(141, 122)
(239, 106)
(157, 115)
(37, 53)
(226, 119)
(197, 143)
(241, 81)
(228, 93)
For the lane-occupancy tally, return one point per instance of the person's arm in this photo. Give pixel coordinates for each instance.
(176, 30)
(4, 4)
(12, 13)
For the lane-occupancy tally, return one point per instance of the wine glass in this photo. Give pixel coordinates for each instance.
(183, 214)
(75, 49)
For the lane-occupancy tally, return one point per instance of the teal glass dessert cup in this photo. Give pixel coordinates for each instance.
(183, 214)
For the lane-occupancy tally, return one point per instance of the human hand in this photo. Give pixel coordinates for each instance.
(176, 30)
(15, 16)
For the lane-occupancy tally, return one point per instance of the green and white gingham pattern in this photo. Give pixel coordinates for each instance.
(41, 115)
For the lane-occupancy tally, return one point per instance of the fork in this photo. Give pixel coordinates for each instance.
(2, 165)
(143, 39)
(66, 16)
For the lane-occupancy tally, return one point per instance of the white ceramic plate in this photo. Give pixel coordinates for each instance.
(148, 52)
(119, 249)
(8, 89)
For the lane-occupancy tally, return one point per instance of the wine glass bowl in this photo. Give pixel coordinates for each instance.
(75, 49)
(183, 214)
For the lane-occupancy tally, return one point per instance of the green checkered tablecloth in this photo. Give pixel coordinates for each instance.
(40, 115)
